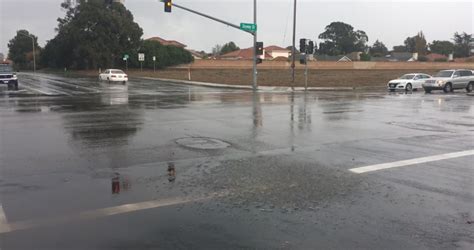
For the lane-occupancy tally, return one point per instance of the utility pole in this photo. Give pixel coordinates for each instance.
(255, 47)
(293, 50)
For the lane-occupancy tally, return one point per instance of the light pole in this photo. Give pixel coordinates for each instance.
(34, 51)
(293, 50)
(255, 84)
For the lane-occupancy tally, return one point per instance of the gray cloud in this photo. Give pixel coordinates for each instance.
(389, 21)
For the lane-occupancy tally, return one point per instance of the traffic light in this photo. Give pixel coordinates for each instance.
(310, 47)
(259, 48)
(303, 45)
(168, 5)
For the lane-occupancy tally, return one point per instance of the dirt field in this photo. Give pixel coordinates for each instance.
(276, 77)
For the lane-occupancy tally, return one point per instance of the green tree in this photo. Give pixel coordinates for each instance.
(416, 44)
(228, 47)
(165, 55)
(365, 57)
(378, 49)
(400, 48)
(461, 44)
(340, 38)
(93, 34)
(442, 47)
(20, 49)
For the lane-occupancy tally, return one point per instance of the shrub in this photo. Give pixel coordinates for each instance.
(422, 59)
(365, 57)
(441, 59)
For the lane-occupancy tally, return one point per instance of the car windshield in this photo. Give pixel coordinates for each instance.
(117, 72)
(444, 73)
(5, 68)
(409, 76)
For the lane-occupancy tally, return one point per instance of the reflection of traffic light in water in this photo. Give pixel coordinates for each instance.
(116, 184)
(171, 172)
(117, 180)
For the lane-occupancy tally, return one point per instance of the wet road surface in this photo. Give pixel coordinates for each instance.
(155, 165)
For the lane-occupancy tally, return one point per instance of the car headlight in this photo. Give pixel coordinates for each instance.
(440, 82)
(14, 76)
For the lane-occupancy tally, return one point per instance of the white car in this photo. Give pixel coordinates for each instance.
(408, 82)
(113, 75)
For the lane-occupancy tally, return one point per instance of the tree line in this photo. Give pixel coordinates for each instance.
(340, 38)
(95, 34)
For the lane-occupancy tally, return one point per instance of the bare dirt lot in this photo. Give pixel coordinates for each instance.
(282, 77)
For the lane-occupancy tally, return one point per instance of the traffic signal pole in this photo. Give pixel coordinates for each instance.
(293, 50)
(253, 33)
(254, 85)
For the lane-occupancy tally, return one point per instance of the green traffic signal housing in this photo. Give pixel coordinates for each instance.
(168, 5)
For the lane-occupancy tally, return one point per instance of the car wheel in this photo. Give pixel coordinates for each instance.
(16, 86)
(469, 87)
(427, 91)
(408, 87)
(108, 80)
(391, 90)
(448, 88)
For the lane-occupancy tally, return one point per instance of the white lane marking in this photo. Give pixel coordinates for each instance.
(4, 226)
(102, 212)
(403, 163)
(36, 90)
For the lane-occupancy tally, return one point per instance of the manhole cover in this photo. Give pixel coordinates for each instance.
(202, 143)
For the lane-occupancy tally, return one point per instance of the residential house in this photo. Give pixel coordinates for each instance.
(471, 46)
(402, 57)
(167, 42)
(243, 54)
(340, 58)
(276, 51)
(196, 54)
(436, 57)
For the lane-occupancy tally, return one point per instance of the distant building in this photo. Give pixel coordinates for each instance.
(269, 53)
(436, 57)
(196, 54)
(402, 57)
(276, 51)
(471, 46)
(167, 42)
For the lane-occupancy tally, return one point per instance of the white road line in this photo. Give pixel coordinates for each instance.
(403, 163)
(98, 213)
(4, 226)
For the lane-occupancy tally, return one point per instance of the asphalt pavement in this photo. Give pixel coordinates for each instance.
(158, 165)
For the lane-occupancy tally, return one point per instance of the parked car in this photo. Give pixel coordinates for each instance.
(449, 80)
(8, 76)
(408, 82)
(113, 75)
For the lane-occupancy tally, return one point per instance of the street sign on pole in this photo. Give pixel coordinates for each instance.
(154, 63)
(248, 27)
(141, 57)
(125, 58)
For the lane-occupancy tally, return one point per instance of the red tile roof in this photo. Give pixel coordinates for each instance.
(167, 42)
(245, 54)
(274, 47)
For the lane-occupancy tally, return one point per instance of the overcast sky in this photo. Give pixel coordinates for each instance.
(389, 21)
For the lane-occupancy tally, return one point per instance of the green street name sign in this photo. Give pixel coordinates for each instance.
(248, 27)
